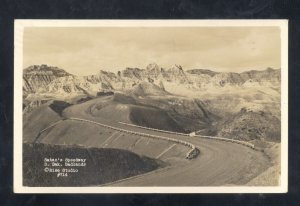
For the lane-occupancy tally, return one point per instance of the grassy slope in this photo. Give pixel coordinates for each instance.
(91, 135)
(153, 118)
(37, 120)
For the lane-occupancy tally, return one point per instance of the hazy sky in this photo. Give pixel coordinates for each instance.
(84, 51)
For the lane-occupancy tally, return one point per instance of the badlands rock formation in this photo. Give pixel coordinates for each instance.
(52, 80)
(239, 105)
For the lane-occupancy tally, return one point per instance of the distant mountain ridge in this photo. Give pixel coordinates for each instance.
(53, 80)
(242, 105)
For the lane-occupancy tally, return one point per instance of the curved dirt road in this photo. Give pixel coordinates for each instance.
(219, 163)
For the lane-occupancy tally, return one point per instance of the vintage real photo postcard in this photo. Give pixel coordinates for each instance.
(151, 106)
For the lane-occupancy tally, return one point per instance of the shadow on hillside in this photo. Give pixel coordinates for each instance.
(59, 106)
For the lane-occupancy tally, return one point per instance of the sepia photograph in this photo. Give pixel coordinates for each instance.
(151, 106)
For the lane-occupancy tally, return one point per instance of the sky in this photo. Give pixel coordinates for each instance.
(85, 51)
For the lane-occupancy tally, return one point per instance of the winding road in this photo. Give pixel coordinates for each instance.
(219, 163)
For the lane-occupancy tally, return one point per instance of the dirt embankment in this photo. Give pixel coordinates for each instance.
(270, 177)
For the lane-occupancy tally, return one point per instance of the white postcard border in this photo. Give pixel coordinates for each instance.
(18, 124)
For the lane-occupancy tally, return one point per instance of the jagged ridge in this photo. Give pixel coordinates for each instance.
(48, 79)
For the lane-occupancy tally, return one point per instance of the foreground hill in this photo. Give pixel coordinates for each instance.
(103, 165)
